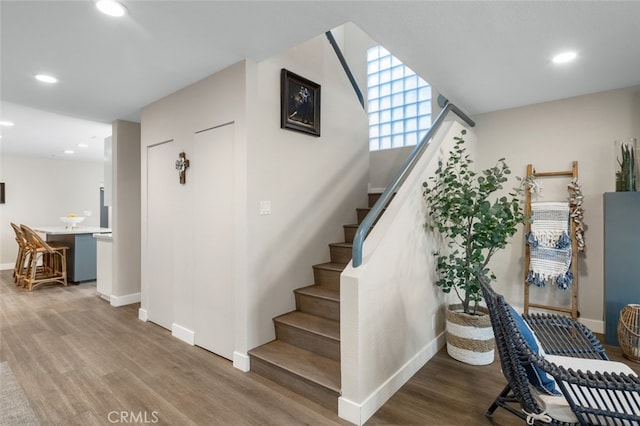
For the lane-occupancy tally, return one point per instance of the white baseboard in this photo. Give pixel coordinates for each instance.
(184, 334)
(376, 190)
(241, 361)
(127, 299)
(359, 413)
(6, 266)
(143, 315)
(593, 325)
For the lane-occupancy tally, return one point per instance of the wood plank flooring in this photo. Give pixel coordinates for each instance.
(79, 359)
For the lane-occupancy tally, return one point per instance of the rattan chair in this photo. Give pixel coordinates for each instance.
(45, 263)
(591, 389)
(20, 268)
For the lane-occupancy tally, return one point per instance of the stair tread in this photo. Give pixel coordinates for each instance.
(320, 292)
(368, 209)
(332, 266)
(342, 244)
(313, 323)
(311, 366)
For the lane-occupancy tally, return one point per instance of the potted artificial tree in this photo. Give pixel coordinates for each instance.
(475, 219)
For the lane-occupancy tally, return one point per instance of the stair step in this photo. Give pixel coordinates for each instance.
(373, 198)
(328, 274)
(318, 300)
(363, 212)
(350, 232)
(308, 374)
(340, 252)
(310, 332)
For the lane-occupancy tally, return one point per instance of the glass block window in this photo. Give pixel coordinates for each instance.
(399, 102)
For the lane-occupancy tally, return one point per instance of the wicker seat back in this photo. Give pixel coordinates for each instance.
(609, 395)
(517, 389)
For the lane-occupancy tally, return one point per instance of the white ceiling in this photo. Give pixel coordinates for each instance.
(483, 55)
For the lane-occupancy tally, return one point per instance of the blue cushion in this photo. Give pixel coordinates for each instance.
(537, 377)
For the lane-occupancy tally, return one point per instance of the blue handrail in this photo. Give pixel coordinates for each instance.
(407, 166)
(345, 66)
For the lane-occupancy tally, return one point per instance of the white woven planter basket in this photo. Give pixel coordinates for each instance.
(469, 337)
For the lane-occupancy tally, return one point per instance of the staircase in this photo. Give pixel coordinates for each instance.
(305, 356)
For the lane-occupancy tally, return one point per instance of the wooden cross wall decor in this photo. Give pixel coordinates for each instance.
(181, 166)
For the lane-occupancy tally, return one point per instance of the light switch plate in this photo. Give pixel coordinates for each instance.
(265, 207)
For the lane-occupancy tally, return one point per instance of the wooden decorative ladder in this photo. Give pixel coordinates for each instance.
(573, 310)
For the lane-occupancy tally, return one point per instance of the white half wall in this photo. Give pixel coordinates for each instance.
(392, 314)
(40, 190)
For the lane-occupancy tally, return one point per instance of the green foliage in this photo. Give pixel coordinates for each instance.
(474, 222)
(625, 176)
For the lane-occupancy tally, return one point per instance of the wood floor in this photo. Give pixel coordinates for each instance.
(82, 362)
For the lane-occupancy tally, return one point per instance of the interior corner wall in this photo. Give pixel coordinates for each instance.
(41, 190)
(550, 136)
(126, 212)
(313, 183)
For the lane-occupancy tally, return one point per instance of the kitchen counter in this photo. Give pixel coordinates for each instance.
(62, 230)
(81, 256)
(104, 237)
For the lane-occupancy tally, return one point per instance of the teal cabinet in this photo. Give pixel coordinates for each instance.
(81, 256)
(621, 257)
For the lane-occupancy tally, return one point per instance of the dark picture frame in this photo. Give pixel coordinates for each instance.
(300, 103)
(1, 192)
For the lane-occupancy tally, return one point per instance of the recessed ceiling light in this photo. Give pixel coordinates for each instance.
(111, 8)
(45, 78)
(69, 151)
(565, 57)
(6, 123)
(83, 145)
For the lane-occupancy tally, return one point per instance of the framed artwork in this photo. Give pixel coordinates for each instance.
(300, 103)
(1, 192)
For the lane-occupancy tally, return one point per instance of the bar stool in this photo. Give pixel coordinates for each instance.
(45, 263)
(19, 270)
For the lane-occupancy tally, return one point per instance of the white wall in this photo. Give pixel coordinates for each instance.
(40, 190)
(550, 136)
(636, 113)
(168, 128)
(385, 165)
(126, 213)
(392, 315)
(314, 183)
